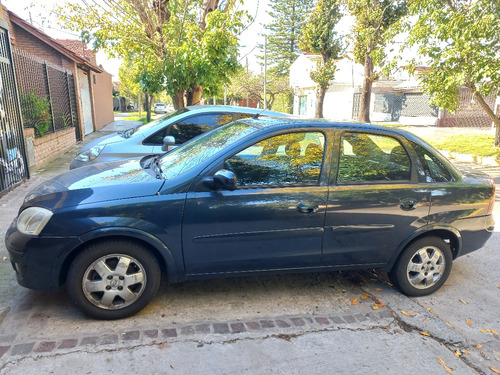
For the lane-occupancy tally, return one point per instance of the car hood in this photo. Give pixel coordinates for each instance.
(106, 140)
(95, 183)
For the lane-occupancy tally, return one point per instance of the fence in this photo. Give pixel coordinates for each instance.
(13, 166)
(47, 95)
(470, 114)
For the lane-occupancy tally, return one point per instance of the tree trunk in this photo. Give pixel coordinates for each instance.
(320, 96)
(486, 108)
(178, 100)
(194, 96)
(148, 108)
(364, 106)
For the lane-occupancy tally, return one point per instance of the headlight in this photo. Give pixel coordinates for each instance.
(90, 154)
(32, 220)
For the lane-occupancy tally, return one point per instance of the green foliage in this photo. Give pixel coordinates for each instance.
(319, 37)
(374, 27)
(172, 48)
(288, 19)
(35, 110)
(460, 42)
(468, 143)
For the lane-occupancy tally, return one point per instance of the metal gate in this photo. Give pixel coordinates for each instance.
(13, 165)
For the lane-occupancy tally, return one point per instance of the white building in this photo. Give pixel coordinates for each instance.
(339, 97)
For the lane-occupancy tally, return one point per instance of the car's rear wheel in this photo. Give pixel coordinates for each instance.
(113, 279)
(423, 267)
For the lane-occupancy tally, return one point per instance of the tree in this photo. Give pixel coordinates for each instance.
(319, 37)
(371, 33)
(246, 85)
(128, 75)
(461, 44)
(288, 18)
(182, 46)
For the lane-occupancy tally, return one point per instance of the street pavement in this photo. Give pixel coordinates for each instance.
(336, 323)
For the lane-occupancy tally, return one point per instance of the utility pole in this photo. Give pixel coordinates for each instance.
(265, 71)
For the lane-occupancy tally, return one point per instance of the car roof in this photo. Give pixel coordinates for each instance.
(234, 109)
(292, 122)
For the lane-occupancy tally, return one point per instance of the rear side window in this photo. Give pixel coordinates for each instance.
(189, 128)
(368, 157)
(434, 169)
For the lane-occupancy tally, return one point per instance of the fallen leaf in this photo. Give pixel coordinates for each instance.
(428, 309)
(425, 320)
(364, 296)
(479, 346)
(449, 325)
(405, 313)
(458, 353)
(468, 321)
(354, 301)
(498, 286)
(380, 289)
(464, 302)
(4, 258)
(375, 307)
(423, 333)
(494, 332)
(467, 352)
(448, 370)
(494, 370)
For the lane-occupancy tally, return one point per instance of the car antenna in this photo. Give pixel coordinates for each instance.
(256, 116)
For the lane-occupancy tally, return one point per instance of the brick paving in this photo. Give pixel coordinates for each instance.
(303, 323)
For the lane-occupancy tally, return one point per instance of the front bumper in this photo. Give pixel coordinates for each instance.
(38, 261)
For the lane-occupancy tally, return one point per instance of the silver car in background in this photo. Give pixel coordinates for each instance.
(182, 125)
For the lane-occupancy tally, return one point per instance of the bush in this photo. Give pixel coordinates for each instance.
(36, 112)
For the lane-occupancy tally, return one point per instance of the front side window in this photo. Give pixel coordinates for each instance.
(293, 158)
(369, 157)
(189, 128)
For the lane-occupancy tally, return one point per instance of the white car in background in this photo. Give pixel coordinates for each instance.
(160, 108)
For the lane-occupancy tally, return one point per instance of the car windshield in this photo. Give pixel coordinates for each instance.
(129, 132)
(199, 149)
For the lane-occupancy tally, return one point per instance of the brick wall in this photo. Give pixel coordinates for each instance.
(102, 89)
(51, 145)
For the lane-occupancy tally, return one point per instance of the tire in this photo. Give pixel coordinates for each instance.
(423, 267)
(103, 290)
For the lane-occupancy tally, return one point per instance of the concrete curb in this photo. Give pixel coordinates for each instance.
(198, 331)
(489, 161)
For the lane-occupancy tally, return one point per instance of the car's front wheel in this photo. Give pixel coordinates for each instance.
(113, 279)
(423, 267)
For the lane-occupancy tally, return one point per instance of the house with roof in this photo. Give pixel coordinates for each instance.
(398, 98)
(61, 76)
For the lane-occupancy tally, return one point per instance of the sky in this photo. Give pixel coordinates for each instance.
(31, 10)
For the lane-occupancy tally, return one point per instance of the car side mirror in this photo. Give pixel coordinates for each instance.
(222, 180)
(167, 142)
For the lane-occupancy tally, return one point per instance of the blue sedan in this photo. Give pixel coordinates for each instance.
(253, 196)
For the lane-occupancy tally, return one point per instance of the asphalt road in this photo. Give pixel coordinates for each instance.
(339, 322)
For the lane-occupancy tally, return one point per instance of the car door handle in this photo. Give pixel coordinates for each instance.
(408, 204)
(306, 208)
